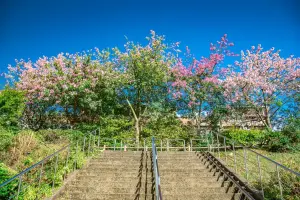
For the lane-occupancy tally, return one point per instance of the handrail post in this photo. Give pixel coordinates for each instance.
(245, 162)
(89, 145)
(83, 148)
(218, 145)
(156, 171)
(235, 167)
(260, 176)
(207, 141)
(191, 144)
(184, 145)
(55, 169)
(161, 145)
(66, 165)
(19, 187)
(99, 137)
(115, 144)
(279, 182)
(76, 155)
(225, 149)
(212, 143)
(167, 144)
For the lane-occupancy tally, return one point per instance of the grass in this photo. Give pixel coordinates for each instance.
(250, 172)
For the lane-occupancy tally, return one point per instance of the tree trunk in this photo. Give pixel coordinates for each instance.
(198, 121)
(136, 123)
(137, 130)
(266, 113)
(267, 118)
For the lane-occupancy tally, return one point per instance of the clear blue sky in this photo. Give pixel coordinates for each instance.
(31, 29)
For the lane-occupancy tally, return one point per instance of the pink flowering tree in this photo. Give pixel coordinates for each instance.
(194, 83)
(264, 81)
(145, 74)
(70, 81)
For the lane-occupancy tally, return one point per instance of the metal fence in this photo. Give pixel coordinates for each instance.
(44, 177)
(270, 178)
(143, 144)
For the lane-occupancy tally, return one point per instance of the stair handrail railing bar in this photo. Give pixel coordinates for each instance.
(33, 166)
(156, 171)
(270, 160)
(258, 156)
(20, 175)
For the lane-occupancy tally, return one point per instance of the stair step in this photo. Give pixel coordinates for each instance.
(123, 196)
(102, 183)
(192, 190)
(128, 175)
(100, 189)
(186, 180)
(110, 179)
(134, 174)
(117, 170)
(181, 167)
(203, 196)
(185, 174)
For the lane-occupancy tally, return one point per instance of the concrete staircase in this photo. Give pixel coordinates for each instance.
(128, 175)
(185, 177)
(114, 175)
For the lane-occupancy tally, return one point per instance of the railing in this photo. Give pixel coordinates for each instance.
(270, 178)
(131, 144)
(41, 179)
(156, 171)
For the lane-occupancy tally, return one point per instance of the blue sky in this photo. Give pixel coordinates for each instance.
(31, 29)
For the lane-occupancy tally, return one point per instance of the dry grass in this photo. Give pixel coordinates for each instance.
(23, 144)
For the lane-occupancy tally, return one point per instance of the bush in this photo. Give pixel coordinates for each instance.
(246, 137)
(167, 126)
(6, 138)
(11, 107)
(118, 127)
(291, 186)
(5, 174)
(286, 140)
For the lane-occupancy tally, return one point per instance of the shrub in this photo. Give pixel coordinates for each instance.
(5, 174)
(167, 126)
(6, 138)
(116, 127)
(286, 140)
(246, 137)
(11, 107)
(291, 186)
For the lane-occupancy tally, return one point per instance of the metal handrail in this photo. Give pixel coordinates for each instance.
(244, 188)
(33, 166)
(221, 144)
(273, 161)
(156, 171)
(42, 162)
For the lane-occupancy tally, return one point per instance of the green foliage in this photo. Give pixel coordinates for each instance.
(246, 137)
(291, 185)
(118, 127)
(5, 174)
(165, 126)
(58, 135)
(6, 138)
(11, 107)
(286, 140)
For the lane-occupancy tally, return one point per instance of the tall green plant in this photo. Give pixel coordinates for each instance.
(12, 104)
